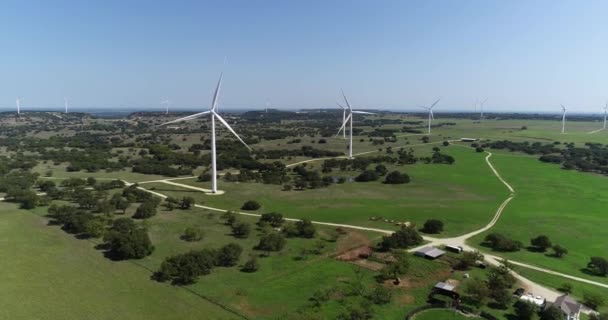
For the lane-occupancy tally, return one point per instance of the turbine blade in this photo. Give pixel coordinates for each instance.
(346, 100)
(436, 102)
(341, 106)
(190, 117)
(231, 130)
(432, 115)
(343, 127)
(362, 112)
(484, 101)
(216, 93)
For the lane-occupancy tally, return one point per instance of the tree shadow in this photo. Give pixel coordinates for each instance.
(534, 249)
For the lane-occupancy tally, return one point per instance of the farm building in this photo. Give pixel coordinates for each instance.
(468, 139)
(455, 249)
(430, 253)
(570, 308)
(446, 289)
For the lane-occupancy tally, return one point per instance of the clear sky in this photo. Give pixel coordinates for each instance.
(522, 55)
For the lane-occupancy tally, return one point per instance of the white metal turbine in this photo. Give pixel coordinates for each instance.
(343, 119)
(214, 115)
(605, 111)
(266, 107)
(166, 103)
(349, 119)
(18, 103)
(65, 104)
(431, 115)
(563, 119)
(481, 108)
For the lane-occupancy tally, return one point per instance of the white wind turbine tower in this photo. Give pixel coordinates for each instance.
(166, 103)
(563, 119)
(266, 107)
(213, 113)
(65, 103)
(481, 108)
(18, 103)
(343, 119)
(431, 116)
(349, 119)
(605, 111)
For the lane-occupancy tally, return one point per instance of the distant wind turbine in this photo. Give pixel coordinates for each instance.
(18, 103)
(605, 111)
(563, 119)
(431, 116)
(65, 103)
(166, 103)
(481, 108)
(349, 119)
(214, 115)
(266, 107)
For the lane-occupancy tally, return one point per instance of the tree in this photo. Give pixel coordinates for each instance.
(367, 176)
(91, 181)
(380, 295)
(171, 203)
(229, 217)
(271, 242)
(552, 312)
(559, 251)
(127, 241)
(396, 177)
(305, 229)
(251, 205)
(477, 291)
(446, 143)
(381, 169)
(399, 267)
(598, 265)
(502, 297)
(541, 242)
(274, 219)
(95, 227)
(122, 204)
(403, 238)
(187, 203)
(145, 210)
(192, 234)
(241, 229)
(468, 259)
(229, 255)
(525, 310)
(433, 226)
(251, 265)
(593, 299)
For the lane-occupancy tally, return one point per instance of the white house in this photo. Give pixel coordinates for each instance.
(570, 308)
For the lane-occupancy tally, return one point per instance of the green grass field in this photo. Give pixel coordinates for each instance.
(567, 206)
(48, 274)
(464, 195)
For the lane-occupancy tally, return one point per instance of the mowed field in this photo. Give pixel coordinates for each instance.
(464, 195)
(48, 274)
(567, 206)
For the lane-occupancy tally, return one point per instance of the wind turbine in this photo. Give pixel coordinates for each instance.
(166, 103)
(481, 108)
(343, 119)
(266, 107)
(349, 119)
(605, 111)
(213, 113)
(431, 116)
(65, 103)
(563, 119)
(18, 103)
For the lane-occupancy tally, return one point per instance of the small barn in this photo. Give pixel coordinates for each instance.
(446, 289)
(430, 253)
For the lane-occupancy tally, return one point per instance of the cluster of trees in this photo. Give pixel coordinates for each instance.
(542, 243)
(598, 266)
(127, 240)
(303, 229)
(402, 238)
(432, 226)
(185, 203)
(185, 268)
(310, 179)
(396, 177)
(499, 242)
(496, 287)
(439, 158)
(239, 228)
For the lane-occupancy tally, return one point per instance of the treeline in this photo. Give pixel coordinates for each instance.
(592, 158)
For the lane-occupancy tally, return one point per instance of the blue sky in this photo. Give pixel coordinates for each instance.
(522, 55)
